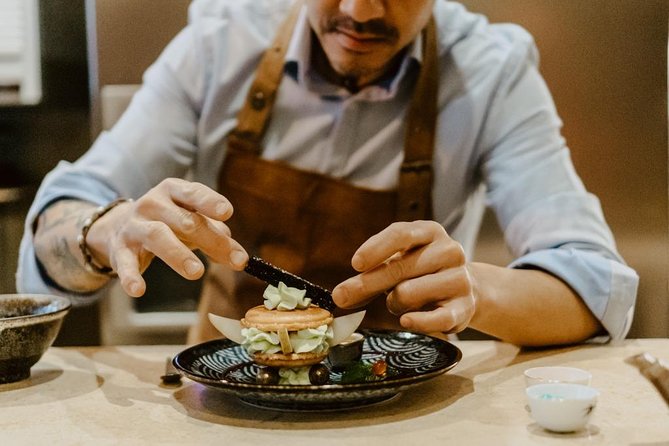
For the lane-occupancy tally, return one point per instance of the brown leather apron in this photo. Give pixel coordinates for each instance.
(305, 222)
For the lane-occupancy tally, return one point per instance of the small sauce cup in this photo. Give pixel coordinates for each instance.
(561, 407)
(557, 374)
(346, 352)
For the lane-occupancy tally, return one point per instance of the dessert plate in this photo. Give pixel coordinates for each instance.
(411, 359)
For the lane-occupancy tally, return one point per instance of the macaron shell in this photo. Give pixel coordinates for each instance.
(272, 320)
(289, 360)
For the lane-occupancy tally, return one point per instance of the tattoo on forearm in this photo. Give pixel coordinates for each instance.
(62, 216)
(64, 259)
(57, 248)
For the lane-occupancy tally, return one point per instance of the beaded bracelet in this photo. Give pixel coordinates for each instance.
(89, 263)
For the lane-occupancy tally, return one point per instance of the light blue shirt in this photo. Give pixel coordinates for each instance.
(497, 127)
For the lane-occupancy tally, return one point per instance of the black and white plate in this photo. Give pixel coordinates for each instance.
(411, 358)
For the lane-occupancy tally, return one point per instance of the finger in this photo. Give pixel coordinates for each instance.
(345, 296)
(159, 239)
(212, 237)
(184, 222)
(428, 290)
(225, 250)
(125, 263)
(200, 198)
(451, 316)
(398, 237)
(420, 262)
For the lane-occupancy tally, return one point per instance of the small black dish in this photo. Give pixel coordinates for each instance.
(346, 352)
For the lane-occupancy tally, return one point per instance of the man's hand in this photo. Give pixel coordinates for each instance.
(169, 221)
(423, 272)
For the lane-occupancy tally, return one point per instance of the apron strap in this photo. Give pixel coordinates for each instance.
(414, 198)
(255, 113)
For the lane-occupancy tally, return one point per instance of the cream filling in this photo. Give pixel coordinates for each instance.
(294, 376)
(285, 298)
(309, 340)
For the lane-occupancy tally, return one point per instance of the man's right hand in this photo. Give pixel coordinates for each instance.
(169, 221)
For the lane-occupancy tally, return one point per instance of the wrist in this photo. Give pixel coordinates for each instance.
(484, 291)
(92, 259)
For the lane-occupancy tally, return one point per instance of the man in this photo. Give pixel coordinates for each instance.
(359, 138)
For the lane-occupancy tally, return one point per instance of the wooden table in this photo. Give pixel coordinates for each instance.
(113, 395)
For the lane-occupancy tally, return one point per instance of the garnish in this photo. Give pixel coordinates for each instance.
(285, 298)
(379, 368)
(360, 372)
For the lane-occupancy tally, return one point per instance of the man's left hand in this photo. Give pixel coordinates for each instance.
(423, 272)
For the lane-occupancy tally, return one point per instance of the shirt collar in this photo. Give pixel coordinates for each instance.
(298, 67)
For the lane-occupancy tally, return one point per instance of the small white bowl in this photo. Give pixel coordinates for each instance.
(546, 375)
(561, 407)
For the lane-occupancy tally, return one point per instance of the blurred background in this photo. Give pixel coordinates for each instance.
(604, 60)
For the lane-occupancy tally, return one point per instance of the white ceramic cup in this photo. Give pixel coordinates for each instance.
(561, 407)
(556, 374)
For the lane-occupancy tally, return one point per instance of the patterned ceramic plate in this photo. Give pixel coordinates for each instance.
(411, 359)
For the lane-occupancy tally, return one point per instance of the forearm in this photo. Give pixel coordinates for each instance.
(528, 307)
(57, 248)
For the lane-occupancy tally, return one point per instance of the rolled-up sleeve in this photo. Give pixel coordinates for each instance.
(549, 219)
(608, 287)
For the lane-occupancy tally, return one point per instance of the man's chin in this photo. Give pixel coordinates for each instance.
(355, 69)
